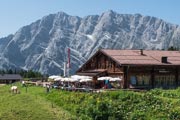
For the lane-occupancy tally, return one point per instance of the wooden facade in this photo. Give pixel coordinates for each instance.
(153, 77)
(101, 65)
(137, 68)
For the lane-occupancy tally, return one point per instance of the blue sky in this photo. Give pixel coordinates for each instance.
(17, 13)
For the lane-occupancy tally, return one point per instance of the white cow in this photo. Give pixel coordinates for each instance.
(14, 89)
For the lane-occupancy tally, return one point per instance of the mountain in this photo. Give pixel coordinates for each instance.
(42, 45)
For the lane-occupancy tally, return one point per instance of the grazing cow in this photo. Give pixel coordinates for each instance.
(14, 89)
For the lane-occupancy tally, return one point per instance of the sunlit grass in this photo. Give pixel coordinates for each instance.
(33, 103)
(29, 105)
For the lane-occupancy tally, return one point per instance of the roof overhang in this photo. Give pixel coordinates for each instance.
(93, 73)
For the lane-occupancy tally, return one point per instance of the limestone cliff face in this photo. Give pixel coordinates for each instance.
(42, 45)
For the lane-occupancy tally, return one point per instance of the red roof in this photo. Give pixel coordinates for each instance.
(149, 57)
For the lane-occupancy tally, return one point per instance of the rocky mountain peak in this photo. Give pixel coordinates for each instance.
(42, 45)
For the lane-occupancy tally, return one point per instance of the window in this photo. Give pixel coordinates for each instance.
(164, 80)
(140, 80)
(93, 65)
(133, 80)
(146, 79)
(172, 80)
(110, 64)
(99, 64)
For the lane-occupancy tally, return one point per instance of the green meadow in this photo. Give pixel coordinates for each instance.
(36, 104)
(29, 105)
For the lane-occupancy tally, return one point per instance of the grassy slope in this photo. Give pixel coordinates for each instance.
(29, 106)
(37, 105)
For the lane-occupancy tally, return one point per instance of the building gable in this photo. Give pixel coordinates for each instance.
(100, 61)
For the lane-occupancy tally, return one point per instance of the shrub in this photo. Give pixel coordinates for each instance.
(174, 115)
(138, 116)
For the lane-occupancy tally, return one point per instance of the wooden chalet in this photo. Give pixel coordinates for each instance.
(144, 69)
(9, 78)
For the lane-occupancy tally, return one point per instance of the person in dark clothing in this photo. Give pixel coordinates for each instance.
(47, 88)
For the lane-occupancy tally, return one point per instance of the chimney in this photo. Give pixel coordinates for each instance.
(164, 59)
(141, 50)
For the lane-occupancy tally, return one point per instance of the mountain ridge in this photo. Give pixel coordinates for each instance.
(42, 45)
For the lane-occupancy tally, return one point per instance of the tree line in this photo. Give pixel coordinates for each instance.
(23, 73)
(173, 48)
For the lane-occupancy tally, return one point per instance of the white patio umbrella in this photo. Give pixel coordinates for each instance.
(74, 80)
(75, 77)
(86, 80)
(58, 79)
(86, 77)
(115, 79)
(104, 78)
(65, 79)
(53, 77)
(79, 77)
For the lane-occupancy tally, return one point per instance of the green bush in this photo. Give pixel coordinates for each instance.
(119, 105)
(138, 115)
(174, 115)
